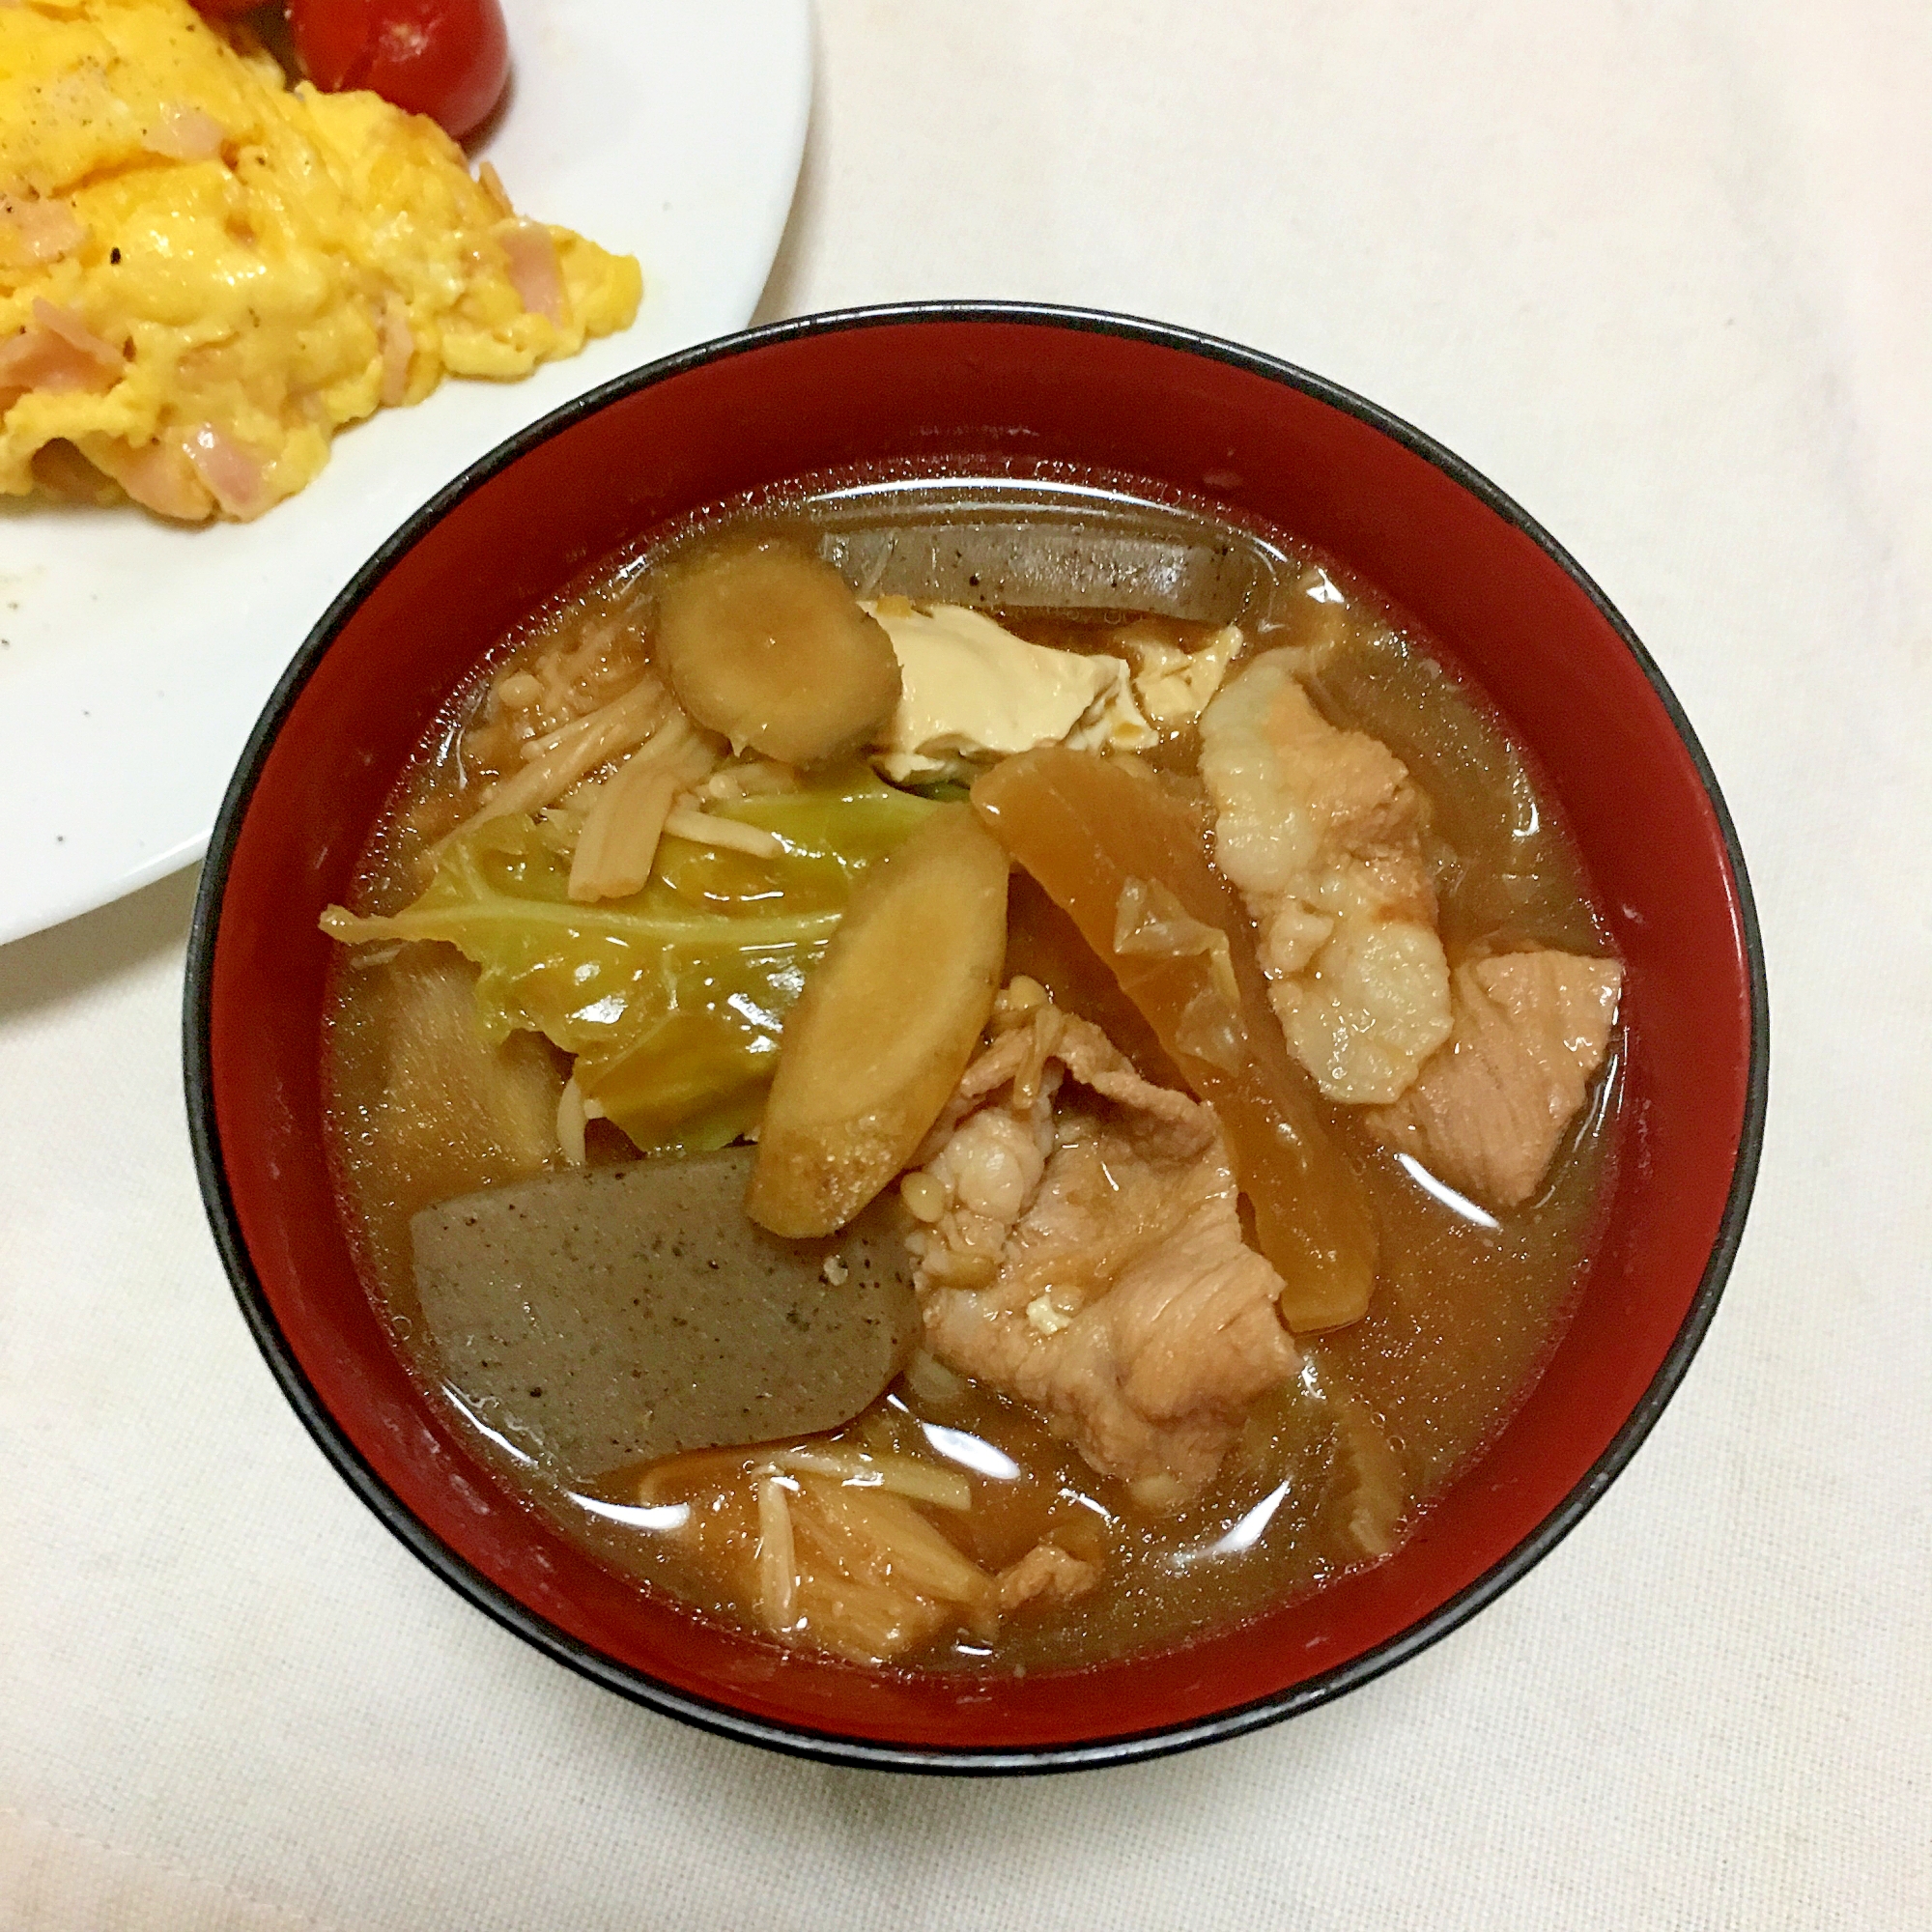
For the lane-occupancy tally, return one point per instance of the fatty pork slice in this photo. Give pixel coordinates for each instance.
(1085, 1256)
(1488, 1110)
(1320, 830)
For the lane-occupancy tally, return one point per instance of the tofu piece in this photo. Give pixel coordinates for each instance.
(1174, 686)
(612, 1314)
(970, 692)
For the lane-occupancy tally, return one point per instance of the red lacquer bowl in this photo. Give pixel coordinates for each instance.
(933, 385)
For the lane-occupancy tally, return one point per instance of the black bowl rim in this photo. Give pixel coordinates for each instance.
(719, 1717)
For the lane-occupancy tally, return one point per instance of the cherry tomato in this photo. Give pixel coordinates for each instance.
(444, 58)
(227, 10)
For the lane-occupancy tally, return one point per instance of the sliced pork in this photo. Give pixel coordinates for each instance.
(1488, 1109)
(1321, 829)
(1084, 1254)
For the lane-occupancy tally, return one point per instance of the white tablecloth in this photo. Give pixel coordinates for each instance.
(1663, 273)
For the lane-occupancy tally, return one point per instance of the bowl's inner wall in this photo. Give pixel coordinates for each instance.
(931, 392)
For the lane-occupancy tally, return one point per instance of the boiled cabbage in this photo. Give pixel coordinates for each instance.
(671, 999)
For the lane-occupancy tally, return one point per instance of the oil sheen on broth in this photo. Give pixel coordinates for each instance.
(1329, 1470)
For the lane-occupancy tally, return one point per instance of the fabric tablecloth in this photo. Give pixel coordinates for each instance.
(1662, 271)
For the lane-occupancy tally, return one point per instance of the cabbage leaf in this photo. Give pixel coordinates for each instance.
(671, 999)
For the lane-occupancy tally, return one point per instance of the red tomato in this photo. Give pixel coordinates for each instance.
(444, 58)
(227, 10)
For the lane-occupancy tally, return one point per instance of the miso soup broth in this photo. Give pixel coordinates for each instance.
(488, 1028)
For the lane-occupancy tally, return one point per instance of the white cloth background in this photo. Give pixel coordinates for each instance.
(1664, 273)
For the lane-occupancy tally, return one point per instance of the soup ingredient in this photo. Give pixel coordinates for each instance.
(1322, 830)
(1372, 1490)
(1488, 1109)
(1089, 1259)
(765, 643)
(457, 1110)
(1044, 945)
(970, 692)
(884, 1028)
(576, 667)
(1123, 852)
(860, 1572)
(830, 1544)
(643, 727)
(673, 1000)
(619, 1313)
(449, 58)
(203, 274)
(1174, 685)
(617, 843)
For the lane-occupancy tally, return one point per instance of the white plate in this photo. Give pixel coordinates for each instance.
(137, 655)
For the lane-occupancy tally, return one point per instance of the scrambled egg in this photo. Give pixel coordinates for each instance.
(205, 273)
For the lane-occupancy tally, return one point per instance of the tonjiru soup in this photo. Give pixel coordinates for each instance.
(974, 1073)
